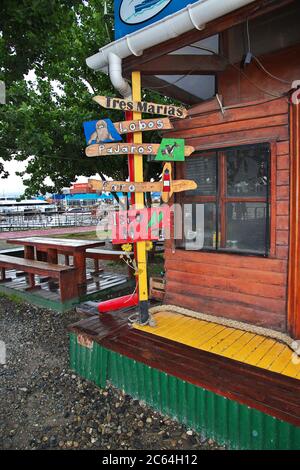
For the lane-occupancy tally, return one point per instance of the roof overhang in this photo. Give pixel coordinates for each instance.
(193, 16)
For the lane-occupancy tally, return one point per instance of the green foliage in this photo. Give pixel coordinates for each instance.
(42, 120)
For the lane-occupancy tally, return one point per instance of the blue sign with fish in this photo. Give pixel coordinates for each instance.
(131, 15)
(102, 130)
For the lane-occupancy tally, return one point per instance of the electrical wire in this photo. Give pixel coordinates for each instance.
(258, 61)
(248, 35)
(240, 71)
(235, 67)
(270, 74)
(231, 64)
(173, 83)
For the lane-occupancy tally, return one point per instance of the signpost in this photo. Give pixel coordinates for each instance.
(125, 148)
(101, 136)
(141, 106)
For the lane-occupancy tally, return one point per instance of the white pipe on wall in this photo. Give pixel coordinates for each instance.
(115, 75)
(190, 17)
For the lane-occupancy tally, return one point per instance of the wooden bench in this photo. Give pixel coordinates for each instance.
(108, 255)
(64, 274)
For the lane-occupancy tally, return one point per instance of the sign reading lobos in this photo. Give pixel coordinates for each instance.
(141, 106)
(143, 125)
(125, 149)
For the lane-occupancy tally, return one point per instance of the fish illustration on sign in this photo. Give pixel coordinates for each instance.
(138, 11)
(100, 131)
(171, 150)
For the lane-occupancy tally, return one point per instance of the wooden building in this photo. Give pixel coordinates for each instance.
(238, 76)
(249, 138)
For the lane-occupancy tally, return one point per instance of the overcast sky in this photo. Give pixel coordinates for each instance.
(12, 184)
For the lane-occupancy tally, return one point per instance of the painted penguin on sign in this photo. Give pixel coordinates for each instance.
(100, 131)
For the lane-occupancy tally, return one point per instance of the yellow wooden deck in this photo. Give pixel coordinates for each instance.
(239, 345)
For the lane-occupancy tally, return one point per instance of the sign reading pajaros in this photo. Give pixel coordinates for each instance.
(125, 149)
(141, 106)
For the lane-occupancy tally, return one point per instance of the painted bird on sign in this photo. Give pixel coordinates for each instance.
(169, 150)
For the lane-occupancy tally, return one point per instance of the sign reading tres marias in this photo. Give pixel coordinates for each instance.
(131, 15)
(141, 106)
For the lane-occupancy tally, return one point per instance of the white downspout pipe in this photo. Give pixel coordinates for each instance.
(115, 75)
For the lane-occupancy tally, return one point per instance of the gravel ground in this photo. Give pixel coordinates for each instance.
(44, 405)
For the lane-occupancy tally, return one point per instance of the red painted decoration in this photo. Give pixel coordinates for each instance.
(140, 225)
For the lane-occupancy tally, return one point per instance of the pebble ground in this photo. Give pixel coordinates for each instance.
(44, 405)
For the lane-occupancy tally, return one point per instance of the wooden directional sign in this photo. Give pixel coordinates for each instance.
(167, 187)
(143, 125)
(145, 187)
(141, 106)
(124, 149)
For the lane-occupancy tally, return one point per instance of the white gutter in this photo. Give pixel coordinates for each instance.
(190, 17)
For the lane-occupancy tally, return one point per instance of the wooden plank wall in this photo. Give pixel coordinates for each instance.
(246, 288)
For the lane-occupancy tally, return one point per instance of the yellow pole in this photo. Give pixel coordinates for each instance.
(139, 202)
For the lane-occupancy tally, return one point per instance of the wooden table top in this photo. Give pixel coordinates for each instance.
(57, 243)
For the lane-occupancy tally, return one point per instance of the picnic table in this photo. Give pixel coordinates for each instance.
(48, 249)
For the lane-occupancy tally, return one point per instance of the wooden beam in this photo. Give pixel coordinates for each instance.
(184, 64)
(294, 248)
(167, 89)
(253, 10)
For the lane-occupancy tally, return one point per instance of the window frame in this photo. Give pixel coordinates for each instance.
(221, 198)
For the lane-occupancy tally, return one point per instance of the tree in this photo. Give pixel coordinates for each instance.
(42, 121)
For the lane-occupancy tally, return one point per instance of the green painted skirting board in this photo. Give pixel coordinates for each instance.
(226, 421)
(34, 299)
(40, 301)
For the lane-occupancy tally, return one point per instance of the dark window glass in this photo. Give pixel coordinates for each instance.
(203, 170)
(246, 226)
(247, 171)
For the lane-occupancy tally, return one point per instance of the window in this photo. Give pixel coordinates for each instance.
(233, 192)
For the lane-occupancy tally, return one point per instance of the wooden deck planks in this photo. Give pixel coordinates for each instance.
(239, 345)
(103, 282)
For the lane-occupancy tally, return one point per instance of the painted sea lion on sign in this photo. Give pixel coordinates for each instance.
(101, 133)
